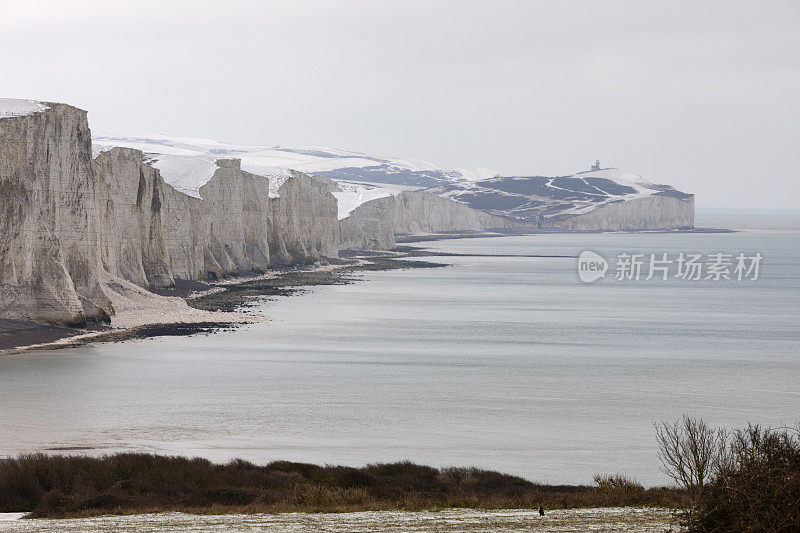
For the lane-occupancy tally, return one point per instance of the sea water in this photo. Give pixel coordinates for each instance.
(503, 360)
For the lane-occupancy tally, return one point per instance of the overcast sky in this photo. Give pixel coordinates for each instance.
(701, 95)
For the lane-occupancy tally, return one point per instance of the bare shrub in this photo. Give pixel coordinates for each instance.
(755, 488)
(689, 450)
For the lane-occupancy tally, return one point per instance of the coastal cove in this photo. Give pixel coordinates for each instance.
(194, 307)
(507, 363)
(399, 267)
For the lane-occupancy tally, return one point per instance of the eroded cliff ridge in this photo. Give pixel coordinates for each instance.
(374, 224)
(303, 216)
(49, 219)
(153, 234)
(593, 200)
(77, 234)
(72, 225)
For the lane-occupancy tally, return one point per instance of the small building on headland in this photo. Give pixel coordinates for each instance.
(596, 165)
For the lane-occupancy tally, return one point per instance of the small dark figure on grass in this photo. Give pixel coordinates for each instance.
(541, 511)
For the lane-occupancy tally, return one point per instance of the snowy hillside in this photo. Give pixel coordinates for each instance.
(328, 162)
(529, 197)
(187, 164)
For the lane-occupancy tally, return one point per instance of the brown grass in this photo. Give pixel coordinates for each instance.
(60, 486)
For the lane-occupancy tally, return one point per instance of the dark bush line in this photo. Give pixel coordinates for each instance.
(58, 486)
(745, 480)
(755, 485)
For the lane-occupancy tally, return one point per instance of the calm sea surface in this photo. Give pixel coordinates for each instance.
(509, 363)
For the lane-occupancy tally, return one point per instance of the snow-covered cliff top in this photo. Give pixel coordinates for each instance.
(187, 173)
(258, 159)
(14, 107)
(353, 195)
(189, 163)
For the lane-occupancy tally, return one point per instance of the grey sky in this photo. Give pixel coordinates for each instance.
(702, 95)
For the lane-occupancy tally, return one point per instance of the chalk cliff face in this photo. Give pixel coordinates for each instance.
(49, 223)
(184, 233)
(304, 220)
(370, 226)
(423, 213)
(598, 199)
(72, 228)
(373, 224)
(235, 211)
(648, 213)
(152, 234)
(556, 202)
(530, 200)
(133, 244)
(67, 222)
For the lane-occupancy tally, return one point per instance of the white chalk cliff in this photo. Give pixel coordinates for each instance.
(49, 216)
(374, 224)
(598, 199)
(151, 210)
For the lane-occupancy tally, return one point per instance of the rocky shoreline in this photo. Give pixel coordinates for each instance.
(94, 233)
(207, 307)
(193, 307)
(91, 235)
(510, 232)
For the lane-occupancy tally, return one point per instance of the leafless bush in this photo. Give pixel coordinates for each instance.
(745, 481)
(756, 487)
(689, 450)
